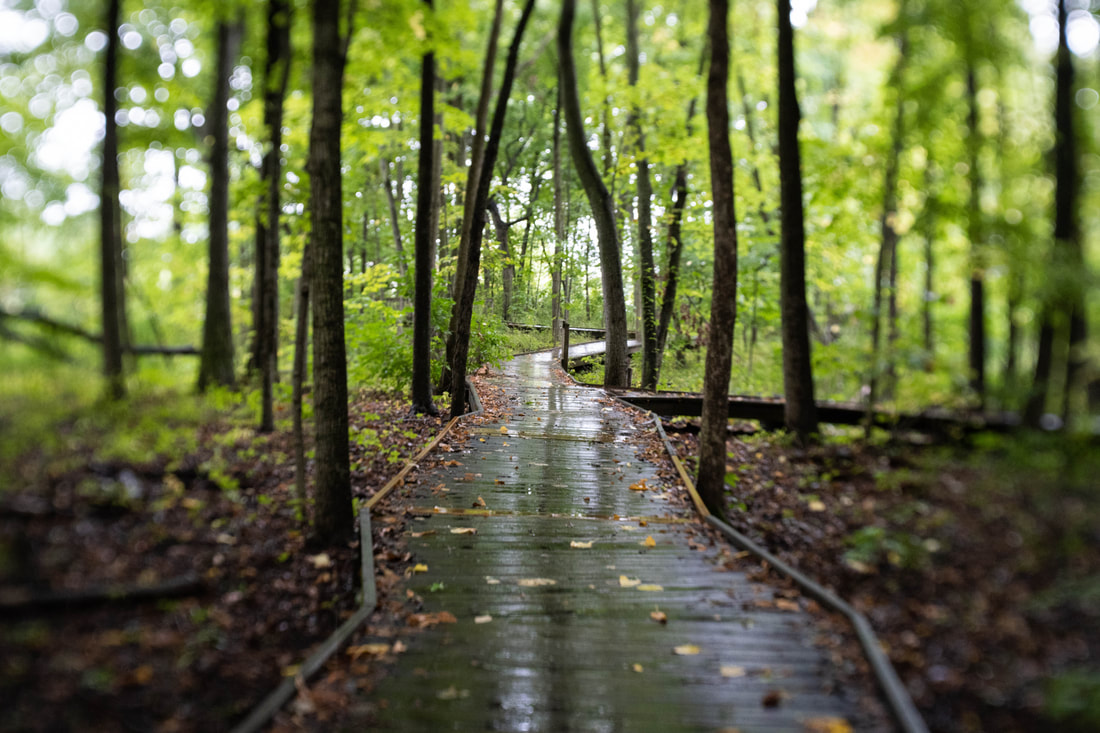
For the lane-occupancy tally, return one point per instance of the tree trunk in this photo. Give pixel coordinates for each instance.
(266, 307)
(110, 234)
(465, 304)
(650, 359)
(614, 299)
(333, 520)
(395, 217)
(800, 412)
(928, 219)
(882, 368)
(473, 177)
(1063, 310)
(297, 377)
(723, 305)
(425, 231)
(974, 230)
(216, 362)
(559, 229)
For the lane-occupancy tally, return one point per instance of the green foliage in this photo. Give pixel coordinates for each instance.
(1073, 700)
(873, 545)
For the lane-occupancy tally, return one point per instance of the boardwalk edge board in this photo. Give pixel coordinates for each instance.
(274, 702)
(897, 697)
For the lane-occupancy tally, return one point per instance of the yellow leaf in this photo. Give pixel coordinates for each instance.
(626, 582)
(503, 429)
(686, 650)
(420, 568)
(650, 587)
(486, 618)
(143, 675)
(638, 668)
(320, 561)
(659, 616)
(374, 650)
(827, 725)
(649, 541)
(817, 505)
(729, 670)
(491, 581)
(536, 582)
(464, 530)
(581, 545)
(425, 533)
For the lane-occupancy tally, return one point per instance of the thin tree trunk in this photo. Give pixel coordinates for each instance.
(559, 229)
(468, 289)
(800, 412)
(882, 368)
(425, 230)
(266, 308)
(297, 377)
(974, 228)
(333, 519)
(216, 361)
(650, 360)
(723, 306)
(614, 300)
(928, 218)
(473, 177)
(110, 235)
(395, 217)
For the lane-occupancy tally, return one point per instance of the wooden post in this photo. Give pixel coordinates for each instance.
(565, 346)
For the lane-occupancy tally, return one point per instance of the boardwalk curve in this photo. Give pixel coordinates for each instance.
(553, 579)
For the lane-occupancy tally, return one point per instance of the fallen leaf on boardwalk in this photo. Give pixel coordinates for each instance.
(425, 533)
(420, 568)
(451, 463)
(581, 545)
(399, 647)
(640, 486)
(784, 605)
(651, 587)
(827, 725)
(535, 582)
(320, 561)
(686, 650)
(373, 650)
(482, 439)
(491, 581)
(464, 530)
(643, 523)
(638, 668)
(483, 619)
(468, 477)
(649, 541)
(503, 429)
(626, 582)
(427, 620)
(480, 501)
(729, 670)
(659, 616)
(452, 693)
(816, 505)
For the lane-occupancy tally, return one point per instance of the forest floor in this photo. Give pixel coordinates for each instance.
(977, 563)
(153, 495)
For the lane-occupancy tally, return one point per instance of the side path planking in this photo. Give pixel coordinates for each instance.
(558, 574)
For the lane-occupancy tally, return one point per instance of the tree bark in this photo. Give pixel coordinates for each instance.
(798, 382)
(266, 337)
(603, 207)
(333, 519)
(110, 220)
(648, 277)
(395, 218)
(723, 305)
(425, 232)
(216, 362)
(465, 304)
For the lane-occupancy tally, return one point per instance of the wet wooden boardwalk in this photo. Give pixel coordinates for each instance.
(553, 593)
